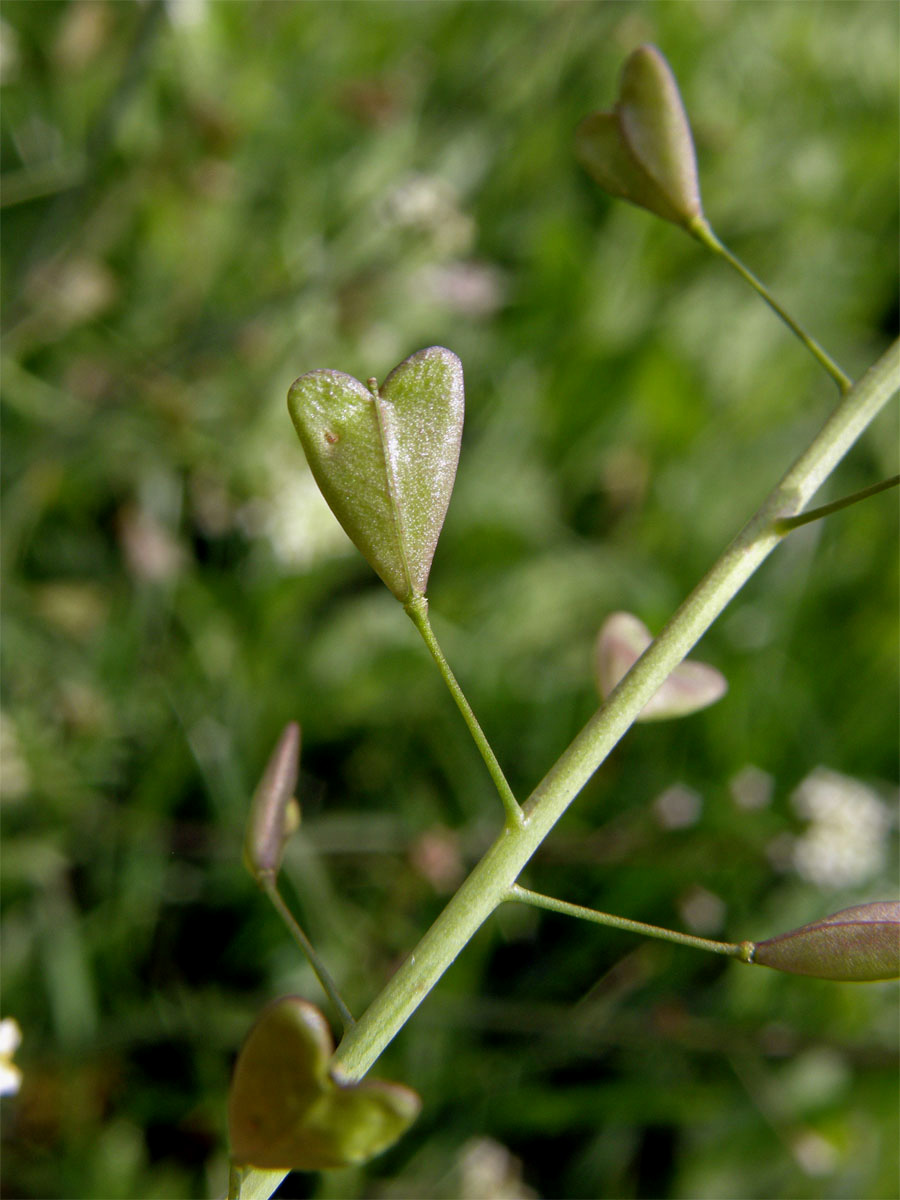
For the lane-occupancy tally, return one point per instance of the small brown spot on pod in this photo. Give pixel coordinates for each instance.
(330, 437)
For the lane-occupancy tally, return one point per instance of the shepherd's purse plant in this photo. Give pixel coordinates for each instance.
(385, 459)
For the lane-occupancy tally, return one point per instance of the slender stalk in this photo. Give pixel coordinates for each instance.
(704, 233)
(418, 613)
(741, 950)
(786, 524)
(489, 883)
(322, 974)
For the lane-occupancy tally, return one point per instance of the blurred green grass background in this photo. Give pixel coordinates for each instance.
(202, 201)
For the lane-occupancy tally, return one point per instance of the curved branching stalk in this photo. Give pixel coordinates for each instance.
(329, 987)
(786, 524)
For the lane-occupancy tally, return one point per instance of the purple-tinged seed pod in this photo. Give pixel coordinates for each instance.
(273, 817)
(859, 943)
(643, 150)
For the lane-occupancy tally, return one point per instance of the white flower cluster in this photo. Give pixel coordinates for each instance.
(845, 842)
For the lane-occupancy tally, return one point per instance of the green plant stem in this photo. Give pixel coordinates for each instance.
(488, 885)
(322, 973)
(418, 613)
(705, 234)
(741, 950)
(786, 524)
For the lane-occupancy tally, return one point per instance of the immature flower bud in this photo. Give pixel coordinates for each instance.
(859, 943)
(643, 150)
(274, 813)
(385, 458)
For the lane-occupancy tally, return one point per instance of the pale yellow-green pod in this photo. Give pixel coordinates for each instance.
(286, 1111)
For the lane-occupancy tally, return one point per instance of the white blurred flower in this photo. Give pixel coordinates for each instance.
(10, 54)
(294, 518)
(490, 1172)
(430, 205)
(814, 1153)
(751, 788)
(10, 1040)
(473, 288)
(844, 844)
(187, 13)
(703, 912)
(678, 807)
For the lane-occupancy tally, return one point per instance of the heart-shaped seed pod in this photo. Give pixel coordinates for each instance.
(622, 640)
(643, 150)
(385, 458)
(286, 1112)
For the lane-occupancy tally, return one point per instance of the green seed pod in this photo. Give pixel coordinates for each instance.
(385, 458)
(286, 1112)
(859, 943)
(643, 150)
(622, 640)
(274, 813)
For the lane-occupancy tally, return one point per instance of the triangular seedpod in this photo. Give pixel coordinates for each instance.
(643, 150)
(622, 640)
(385, 458)
(859, 943)
(274, 813)
(285, 1111)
